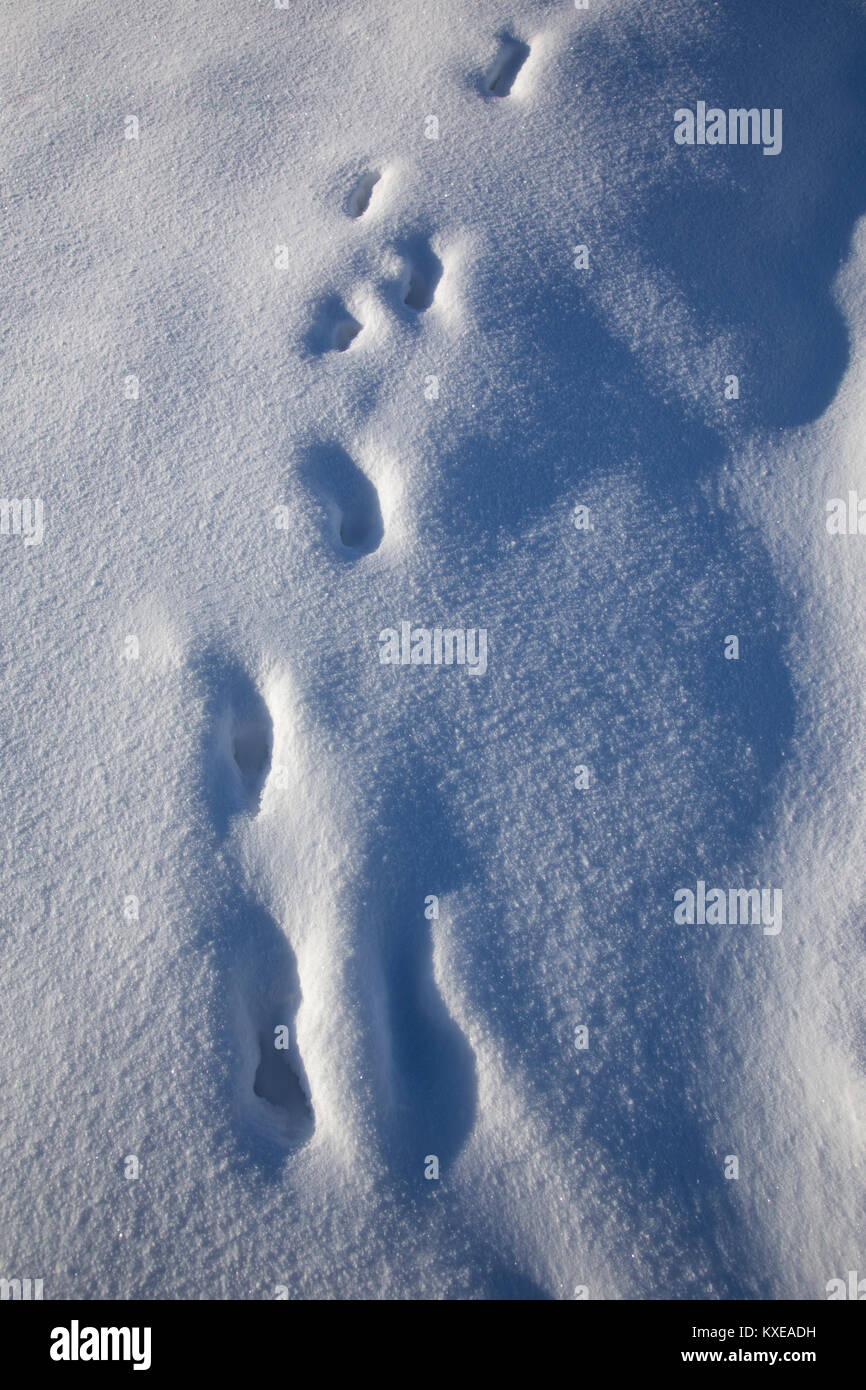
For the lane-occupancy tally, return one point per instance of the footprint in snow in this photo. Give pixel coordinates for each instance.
(333, 328)
(359, 198)
(502, 73)
(422, 272)
(348, 497)
(269, 1089)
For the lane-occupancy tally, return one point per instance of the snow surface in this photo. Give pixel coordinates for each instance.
(278, 803)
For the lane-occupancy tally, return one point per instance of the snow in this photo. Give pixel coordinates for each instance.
(288, 371)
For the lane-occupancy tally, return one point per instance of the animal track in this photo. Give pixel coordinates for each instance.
(359, 198)
(333, 328)
(350, 499)
(422, 273)
(429, 1061)
(273, 1091)
(256, 962)
(278, 1077)
(239, 758)
(501, 75)
(345, 333)
(251, 750)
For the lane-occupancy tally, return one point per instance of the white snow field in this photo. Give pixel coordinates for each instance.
(299, 346)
